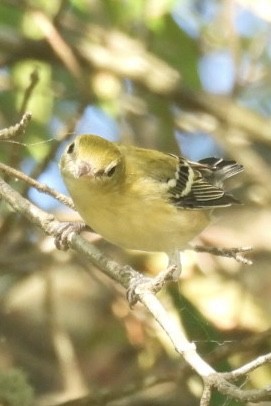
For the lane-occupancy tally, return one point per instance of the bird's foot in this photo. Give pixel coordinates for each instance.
(65, 231)
(140, 284)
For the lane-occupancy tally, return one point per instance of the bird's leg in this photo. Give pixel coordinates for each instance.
(174, 264)
(64, 232)
(141, 284)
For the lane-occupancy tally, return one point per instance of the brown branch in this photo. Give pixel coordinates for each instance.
(34, 79)
(58, 44)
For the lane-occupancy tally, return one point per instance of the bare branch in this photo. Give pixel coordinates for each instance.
(16, 129)
(245, 369)
(41, 187)
(34, 79)
(206, 395)
(60, 47)
(235, 252)
(250, 395)
(220, 382)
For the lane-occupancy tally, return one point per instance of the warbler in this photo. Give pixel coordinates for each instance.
(143, 199)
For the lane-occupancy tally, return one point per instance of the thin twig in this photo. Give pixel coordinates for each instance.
(41, 187)
(234, 252)
(250, 366)
(58, 44)
(249, 395)
(34, 79)
(16, 129)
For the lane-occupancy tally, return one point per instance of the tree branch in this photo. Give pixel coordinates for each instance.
(16, 129)
(41, 187)
(125, 276)
(250, 366)
(234, 252)
(34, 80)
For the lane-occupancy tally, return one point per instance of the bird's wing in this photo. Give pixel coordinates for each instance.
(190, 185)
(199, 185)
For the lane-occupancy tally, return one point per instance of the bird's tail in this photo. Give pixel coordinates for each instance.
(217, 170)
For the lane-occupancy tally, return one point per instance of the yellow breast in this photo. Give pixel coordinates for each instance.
(135, 219)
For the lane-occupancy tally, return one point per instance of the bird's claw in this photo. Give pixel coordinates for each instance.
(140, 284)
(65, 231)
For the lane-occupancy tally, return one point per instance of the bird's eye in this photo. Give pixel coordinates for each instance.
(70, 148)
(111, 171)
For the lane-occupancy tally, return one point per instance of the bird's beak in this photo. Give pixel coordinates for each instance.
(84, 169)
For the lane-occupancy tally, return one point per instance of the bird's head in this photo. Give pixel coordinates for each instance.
(91, 157)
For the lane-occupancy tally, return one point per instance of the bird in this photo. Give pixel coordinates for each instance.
(144, 199)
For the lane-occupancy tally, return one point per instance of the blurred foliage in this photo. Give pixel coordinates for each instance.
(63, 323)
(14, 389)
